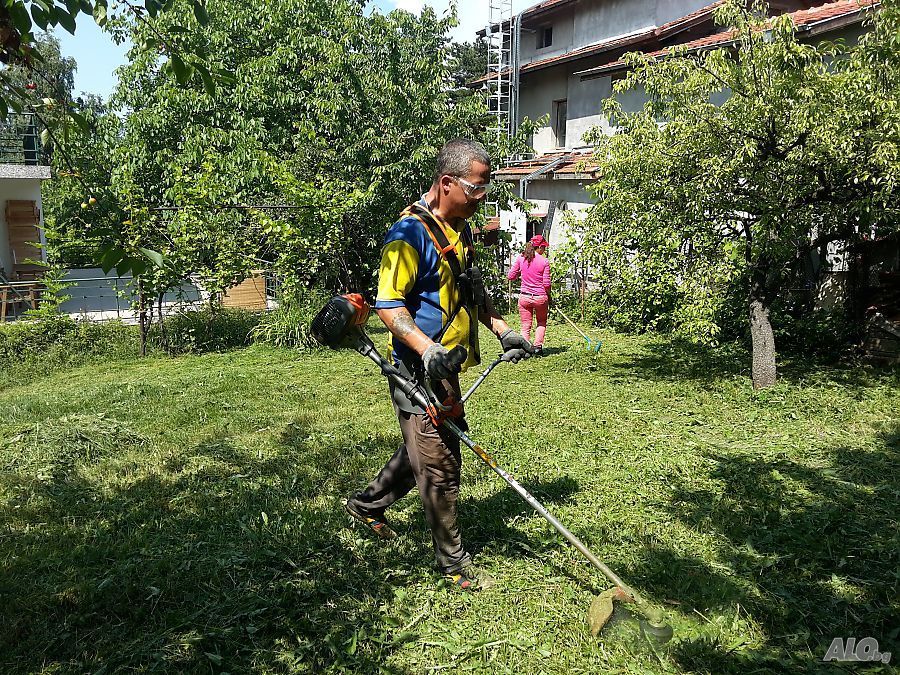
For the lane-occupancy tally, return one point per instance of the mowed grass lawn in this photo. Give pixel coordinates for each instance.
(184, 514)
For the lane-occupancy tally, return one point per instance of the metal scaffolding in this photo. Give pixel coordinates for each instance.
(502, 69)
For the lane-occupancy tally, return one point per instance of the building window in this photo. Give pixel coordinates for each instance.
(545, 37)
(560, 116)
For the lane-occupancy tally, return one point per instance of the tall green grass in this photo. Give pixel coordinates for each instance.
(183, 515)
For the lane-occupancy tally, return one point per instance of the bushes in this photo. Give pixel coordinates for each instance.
(206, 330)
(288, 325)
(822, 334)
(33, 348)
(38, 347)
(47, 343)
(799, 329)
(61, 339)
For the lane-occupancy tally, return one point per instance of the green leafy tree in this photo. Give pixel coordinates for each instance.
(744, 161)
(467, 62)
(77, 207)
(20, 20)
(333, 113)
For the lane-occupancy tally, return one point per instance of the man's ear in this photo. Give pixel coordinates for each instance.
(446, 183)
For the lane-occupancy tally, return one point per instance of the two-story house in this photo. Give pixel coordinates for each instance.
(21, 219)
(569, 54)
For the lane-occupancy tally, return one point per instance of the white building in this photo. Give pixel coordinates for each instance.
(21, 216)
(570, 53)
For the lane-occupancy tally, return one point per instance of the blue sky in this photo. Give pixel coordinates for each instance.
(95, 53)
(98, 56)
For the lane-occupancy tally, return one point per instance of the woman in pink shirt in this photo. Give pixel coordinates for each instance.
(534, 295)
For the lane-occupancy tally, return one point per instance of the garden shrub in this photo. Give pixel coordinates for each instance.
(288, 324)
(820, 333)
(62, 339)
(30, 348)
(205, 330)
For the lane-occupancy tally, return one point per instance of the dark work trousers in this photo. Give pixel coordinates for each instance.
(430, 459)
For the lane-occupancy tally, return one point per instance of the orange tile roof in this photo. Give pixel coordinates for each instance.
(573, 164)
(589, 50)
(802, 18)
(687, 20)
(490, 224)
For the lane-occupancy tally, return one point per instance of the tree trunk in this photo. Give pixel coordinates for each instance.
(142, 317)
(163, 337)
(763, 345)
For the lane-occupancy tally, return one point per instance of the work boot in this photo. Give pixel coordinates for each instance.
(471, 579)
(378, 526)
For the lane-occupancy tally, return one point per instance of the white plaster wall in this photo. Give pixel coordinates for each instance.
(541, 193)
(514, 222)
(98, 296)
(18, 188)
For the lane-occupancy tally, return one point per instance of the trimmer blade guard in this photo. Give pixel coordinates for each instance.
(601, 609)
(338, 323)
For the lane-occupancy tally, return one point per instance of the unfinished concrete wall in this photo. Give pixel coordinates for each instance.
(585, 107)
(563, 24)
(601, 20)
(536, 100)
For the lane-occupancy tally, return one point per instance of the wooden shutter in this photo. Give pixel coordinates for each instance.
(249, 294)
(23, 219)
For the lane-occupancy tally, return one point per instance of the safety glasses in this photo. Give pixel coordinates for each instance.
(472, 190)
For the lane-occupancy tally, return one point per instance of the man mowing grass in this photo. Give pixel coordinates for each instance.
(431, 299)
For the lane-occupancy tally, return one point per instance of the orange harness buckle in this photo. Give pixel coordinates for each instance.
(454, 410)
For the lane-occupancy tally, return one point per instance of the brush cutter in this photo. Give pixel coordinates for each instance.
(593, 345)
(340, 324)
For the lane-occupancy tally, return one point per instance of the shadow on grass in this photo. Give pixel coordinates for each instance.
(675, 359)
(216, 559)
(808, 555)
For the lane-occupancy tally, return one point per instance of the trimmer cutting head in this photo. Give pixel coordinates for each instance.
(339, 323)
(601, 611)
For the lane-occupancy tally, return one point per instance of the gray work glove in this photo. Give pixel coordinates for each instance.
(441, 363)
(514, 346)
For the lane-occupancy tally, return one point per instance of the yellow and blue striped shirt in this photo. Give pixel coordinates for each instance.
(413, 274)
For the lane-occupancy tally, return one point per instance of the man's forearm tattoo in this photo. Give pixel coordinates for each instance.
(402, 325)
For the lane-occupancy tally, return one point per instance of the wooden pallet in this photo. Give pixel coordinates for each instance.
(882, 339)
(23, 219)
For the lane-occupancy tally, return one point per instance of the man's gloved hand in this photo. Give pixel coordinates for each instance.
(441, 363)
(515, 345)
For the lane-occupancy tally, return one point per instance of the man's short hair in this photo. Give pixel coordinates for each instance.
(456, 157)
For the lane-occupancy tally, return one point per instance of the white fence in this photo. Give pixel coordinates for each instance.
(95, 296)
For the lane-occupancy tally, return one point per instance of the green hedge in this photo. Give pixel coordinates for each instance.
(207, 330)
(63, 339)
(30, 348)
(37, 347)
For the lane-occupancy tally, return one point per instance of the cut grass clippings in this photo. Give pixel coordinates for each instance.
(183, 514)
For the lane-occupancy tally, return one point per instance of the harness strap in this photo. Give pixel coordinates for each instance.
(440, 239)
(448, 251)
